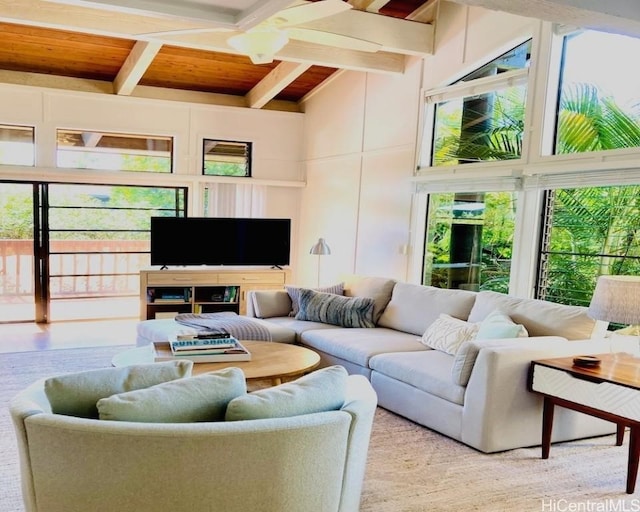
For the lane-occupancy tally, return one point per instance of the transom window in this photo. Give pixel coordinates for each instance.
(80, 149)
(481, 117)
(599, 106)
(17, 145)
(226, 158)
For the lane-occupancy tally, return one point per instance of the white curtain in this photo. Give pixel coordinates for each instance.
(234, 200)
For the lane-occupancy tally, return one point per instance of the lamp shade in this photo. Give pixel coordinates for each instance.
(616, 299)
(320, 248)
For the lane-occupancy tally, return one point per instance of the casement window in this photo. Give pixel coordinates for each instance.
(17, 145)
(599, 94)
(226, 158)
(481, 116)
(79, 149)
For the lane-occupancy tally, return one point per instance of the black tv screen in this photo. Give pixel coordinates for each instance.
(220, 241)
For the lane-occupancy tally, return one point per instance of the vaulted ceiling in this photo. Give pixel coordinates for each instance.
(178, 49)
(120, 47)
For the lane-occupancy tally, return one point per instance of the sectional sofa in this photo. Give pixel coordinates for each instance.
(468, 386)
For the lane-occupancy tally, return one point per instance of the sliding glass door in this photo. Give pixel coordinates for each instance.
(17, 290)
(90, 243)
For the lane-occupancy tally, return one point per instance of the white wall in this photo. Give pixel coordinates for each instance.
(360, 153)
(277, 140)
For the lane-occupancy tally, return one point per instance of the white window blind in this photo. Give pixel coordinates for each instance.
(235, 200)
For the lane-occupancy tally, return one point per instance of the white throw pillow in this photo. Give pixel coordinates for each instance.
(498, 325)
(448, 333)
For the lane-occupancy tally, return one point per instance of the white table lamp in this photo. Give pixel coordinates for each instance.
(616, 299)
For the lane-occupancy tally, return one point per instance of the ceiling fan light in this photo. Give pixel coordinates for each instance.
(260, 45)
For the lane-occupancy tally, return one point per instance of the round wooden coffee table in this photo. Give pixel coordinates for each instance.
(269, 361)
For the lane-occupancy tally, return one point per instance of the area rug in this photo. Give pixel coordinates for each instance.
(410, 468)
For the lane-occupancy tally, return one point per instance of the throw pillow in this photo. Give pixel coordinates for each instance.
(318, 391)
(499, 325)
(201, 398)
(294, 294)
(447, 333)
(336, 309)
(76, 394)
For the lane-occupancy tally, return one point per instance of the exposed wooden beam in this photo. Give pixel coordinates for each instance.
(376, 5)
(137, 62)
(274, 82)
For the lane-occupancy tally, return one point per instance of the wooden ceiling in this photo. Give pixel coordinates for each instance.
(61, 45)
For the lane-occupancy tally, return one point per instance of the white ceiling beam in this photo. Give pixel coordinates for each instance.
(376, 5)
(616, 16)
(272, 84)
(134, 67)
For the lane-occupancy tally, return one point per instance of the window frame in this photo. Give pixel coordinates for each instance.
(248, 157)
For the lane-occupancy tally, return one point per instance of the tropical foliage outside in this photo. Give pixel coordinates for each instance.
(591, 231)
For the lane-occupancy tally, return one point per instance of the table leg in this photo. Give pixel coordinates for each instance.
(620, 434)
(547, 425)
(276, 381)
(634, 453)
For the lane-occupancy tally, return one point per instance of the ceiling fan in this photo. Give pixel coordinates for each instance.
(268, 37)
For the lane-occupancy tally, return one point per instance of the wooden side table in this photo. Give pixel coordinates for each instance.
(610, 391)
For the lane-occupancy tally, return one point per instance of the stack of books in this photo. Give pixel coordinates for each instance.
(203, 348)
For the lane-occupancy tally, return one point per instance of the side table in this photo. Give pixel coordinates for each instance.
(610, 391)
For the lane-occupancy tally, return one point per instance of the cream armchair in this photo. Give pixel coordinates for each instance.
(310, 462)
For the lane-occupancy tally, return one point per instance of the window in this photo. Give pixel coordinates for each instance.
(587, 232)
(226, 158)
(111, 151)
(469, 240)
(599, 98)
(17, 145)
(482, 117)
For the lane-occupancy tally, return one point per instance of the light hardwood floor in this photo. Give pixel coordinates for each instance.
(22, 337)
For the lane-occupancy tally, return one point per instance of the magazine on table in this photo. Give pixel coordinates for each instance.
(214, 354)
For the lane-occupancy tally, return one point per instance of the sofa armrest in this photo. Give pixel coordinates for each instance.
(268, 303)
(500, 413)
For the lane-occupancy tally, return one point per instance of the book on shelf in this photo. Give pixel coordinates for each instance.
(163, 352)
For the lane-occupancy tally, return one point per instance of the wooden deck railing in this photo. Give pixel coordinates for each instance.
(83, 268)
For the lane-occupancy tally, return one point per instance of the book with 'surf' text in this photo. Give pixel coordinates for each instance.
(227, 350)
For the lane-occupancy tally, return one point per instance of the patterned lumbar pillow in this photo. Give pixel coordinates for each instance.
(336, 309)
(319, 391)
(448, 333)
(201, 398)
(76, 394)
(294, 294)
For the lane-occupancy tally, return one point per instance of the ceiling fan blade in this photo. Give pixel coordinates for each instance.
(185, 31)
(305, 13)
(329, 39)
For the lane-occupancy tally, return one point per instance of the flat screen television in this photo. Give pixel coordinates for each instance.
(220, 241)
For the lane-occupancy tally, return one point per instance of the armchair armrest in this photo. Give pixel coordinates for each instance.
(500, 413)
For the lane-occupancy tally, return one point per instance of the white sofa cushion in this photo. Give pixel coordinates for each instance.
(429, 371)
(76, 394)
(540, 318)
(447, 334)
(271, 303)
(319, 391)
(377, 288)
(201, 398)
(413, 308)
(359, 345)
